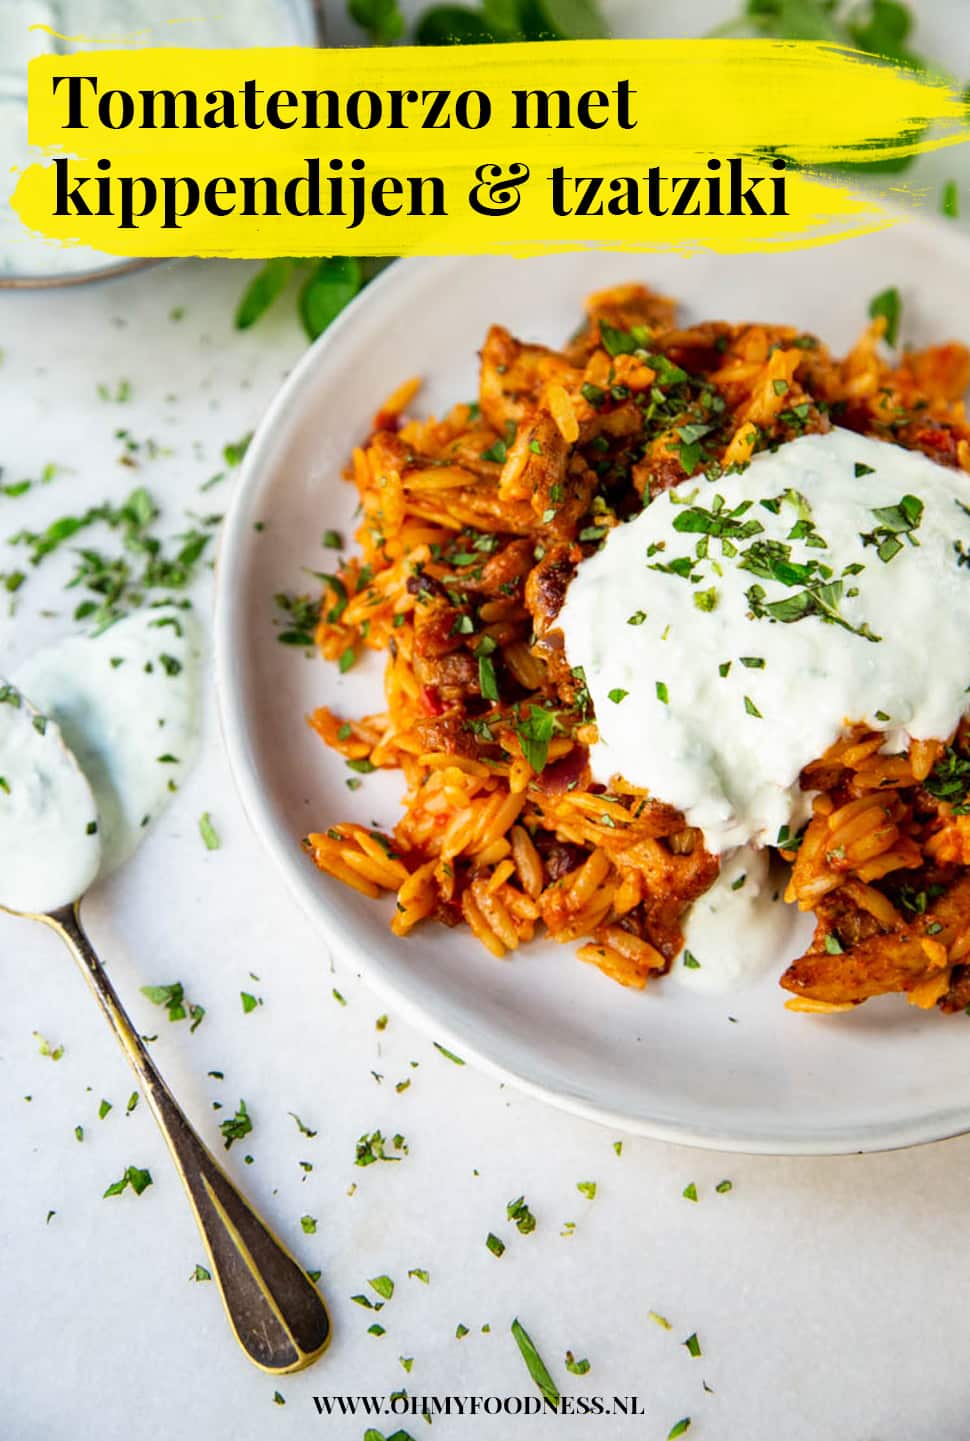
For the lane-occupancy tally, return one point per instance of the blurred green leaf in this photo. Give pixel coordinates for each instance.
(332, 285)
(794, 20)
(883, 29)
(562, 20)
(502, 15)
(268, 282)
(382, 19)
(455, 25)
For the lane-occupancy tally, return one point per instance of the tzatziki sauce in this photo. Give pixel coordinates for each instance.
(49, 841)
(733, 630)
(127, 704)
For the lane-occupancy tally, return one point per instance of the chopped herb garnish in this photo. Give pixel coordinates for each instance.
(173, 998)
(139, 1180)
(689, 1192)
(723, 1187)
(497, 452)
(637, 618)
(534, 1363)
(691, 961)
(534, 735)
(692, 1344)
(679, 1429)
(448, 1055)
(949, 781)
(309, 1225)
(587, 1189)
(662, 692)
(617, 695)
(574, 1367)
(234, 1128)
(46, 1049)
(373, 1148)
(888, 305)
(487, 682)
(751, 708)
(234, 450)
(495, 1244)
(894, 521)
(208, 832)
(518, 1212)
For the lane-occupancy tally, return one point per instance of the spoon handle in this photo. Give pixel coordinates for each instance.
(278, 1316)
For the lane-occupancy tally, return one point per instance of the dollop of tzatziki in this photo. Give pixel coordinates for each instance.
(732, 630)
(738, 928)
(127, 703)
(50, 849)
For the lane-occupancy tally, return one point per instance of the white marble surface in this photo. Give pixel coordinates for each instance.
(828, 1296)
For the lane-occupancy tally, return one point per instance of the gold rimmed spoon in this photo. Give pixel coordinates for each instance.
(50, 853)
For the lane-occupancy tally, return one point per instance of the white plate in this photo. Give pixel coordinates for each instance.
(735, 1072)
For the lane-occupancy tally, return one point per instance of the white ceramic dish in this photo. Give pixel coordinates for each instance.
(735, 1072)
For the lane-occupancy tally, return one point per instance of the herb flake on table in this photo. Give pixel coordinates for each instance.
(534, 1363)
(448, 1055)
(692, 1344)
(201, 1273)
(587, 1189)
(373, 1148)
(574, 1367)
(208, 832)
(172, 996)
(45, 1048)
(134, 1176)
(234, 1128)
(303, 1129)
(495, 1244)
(383, 1285)
(689, 1192)
(518, 1212)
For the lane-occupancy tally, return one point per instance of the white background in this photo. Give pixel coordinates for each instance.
(829, 1296)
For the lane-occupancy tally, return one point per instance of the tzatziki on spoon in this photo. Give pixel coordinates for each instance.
(94, 737)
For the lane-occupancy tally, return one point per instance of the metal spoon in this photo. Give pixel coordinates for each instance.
(278, 1316)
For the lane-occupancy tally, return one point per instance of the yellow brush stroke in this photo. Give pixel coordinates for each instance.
(816, 105)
